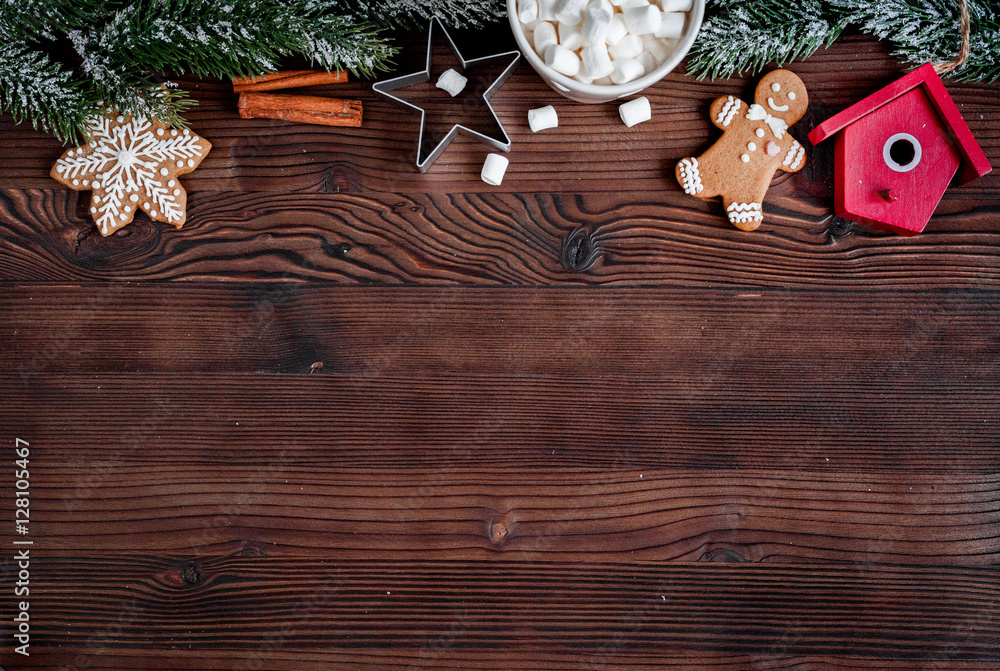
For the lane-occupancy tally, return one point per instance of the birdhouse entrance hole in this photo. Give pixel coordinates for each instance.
(902, 152)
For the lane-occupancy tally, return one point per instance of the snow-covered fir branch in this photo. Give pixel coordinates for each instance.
(928, 31)
(121, 46)
(745, 36)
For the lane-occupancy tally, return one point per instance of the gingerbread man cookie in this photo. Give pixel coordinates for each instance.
(755, 142)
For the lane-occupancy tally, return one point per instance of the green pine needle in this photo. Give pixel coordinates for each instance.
(121, 45)
(744, 37)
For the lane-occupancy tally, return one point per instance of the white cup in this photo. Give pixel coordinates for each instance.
(596, 93)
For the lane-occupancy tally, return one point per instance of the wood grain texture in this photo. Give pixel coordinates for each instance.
(698, 337)
(595, 615)
(516, 423)
(275, 653)
(446, 510)
(537, 240)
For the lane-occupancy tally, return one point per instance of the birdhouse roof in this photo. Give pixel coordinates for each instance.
(974, 161)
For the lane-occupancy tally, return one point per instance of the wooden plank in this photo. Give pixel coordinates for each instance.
(82, 502)
(549, 613)
(603, 238)
(704, 339)
(590, 151)
(720, 420)
(275, 654)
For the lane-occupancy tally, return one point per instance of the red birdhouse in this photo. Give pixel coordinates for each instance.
(896, 152)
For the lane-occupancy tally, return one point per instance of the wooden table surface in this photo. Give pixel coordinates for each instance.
(575, 421)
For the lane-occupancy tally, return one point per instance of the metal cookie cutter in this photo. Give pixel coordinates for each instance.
(383, 88)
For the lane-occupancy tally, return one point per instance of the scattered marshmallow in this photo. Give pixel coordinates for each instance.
(671, 25)
(452, 82)
(494, 168)
(635, 111)
(562, 60)
(642, 20)
(629, 46)
(542, 118)
(626, 70)
(596, 61)
(527, 11)
(547, 10)
(545, 36)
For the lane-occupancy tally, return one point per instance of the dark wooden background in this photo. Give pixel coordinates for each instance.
(576, 421)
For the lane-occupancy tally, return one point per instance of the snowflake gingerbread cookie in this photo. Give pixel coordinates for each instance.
(755, 142)
(130, 164)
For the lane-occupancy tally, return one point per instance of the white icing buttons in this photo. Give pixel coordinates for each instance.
(752, 146)
(760, 132)
(745, 158)
(134, 198)
(164, 171)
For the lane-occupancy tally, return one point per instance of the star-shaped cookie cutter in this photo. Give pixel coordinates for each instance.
(385, 87)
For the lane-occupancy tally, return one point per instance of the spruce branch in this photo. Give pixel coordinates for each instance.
(32, 86)
(744, 37)
(404, 13)
(928, 32)
(207, 37)
(121, 45)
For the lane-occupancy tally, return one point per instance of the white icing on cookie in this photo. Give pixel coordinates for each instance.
(729, 110)
(776, 108)
(690, 177)
(758, 113)
(740, 212)
(794, 155)
(124, 161)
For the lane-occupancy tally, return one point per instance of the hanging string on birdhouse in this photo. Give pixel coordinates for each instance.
(964, 27)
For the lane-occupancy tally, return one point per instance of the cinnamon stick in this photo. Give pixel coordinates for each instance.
(288, 79)
(300, 109)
